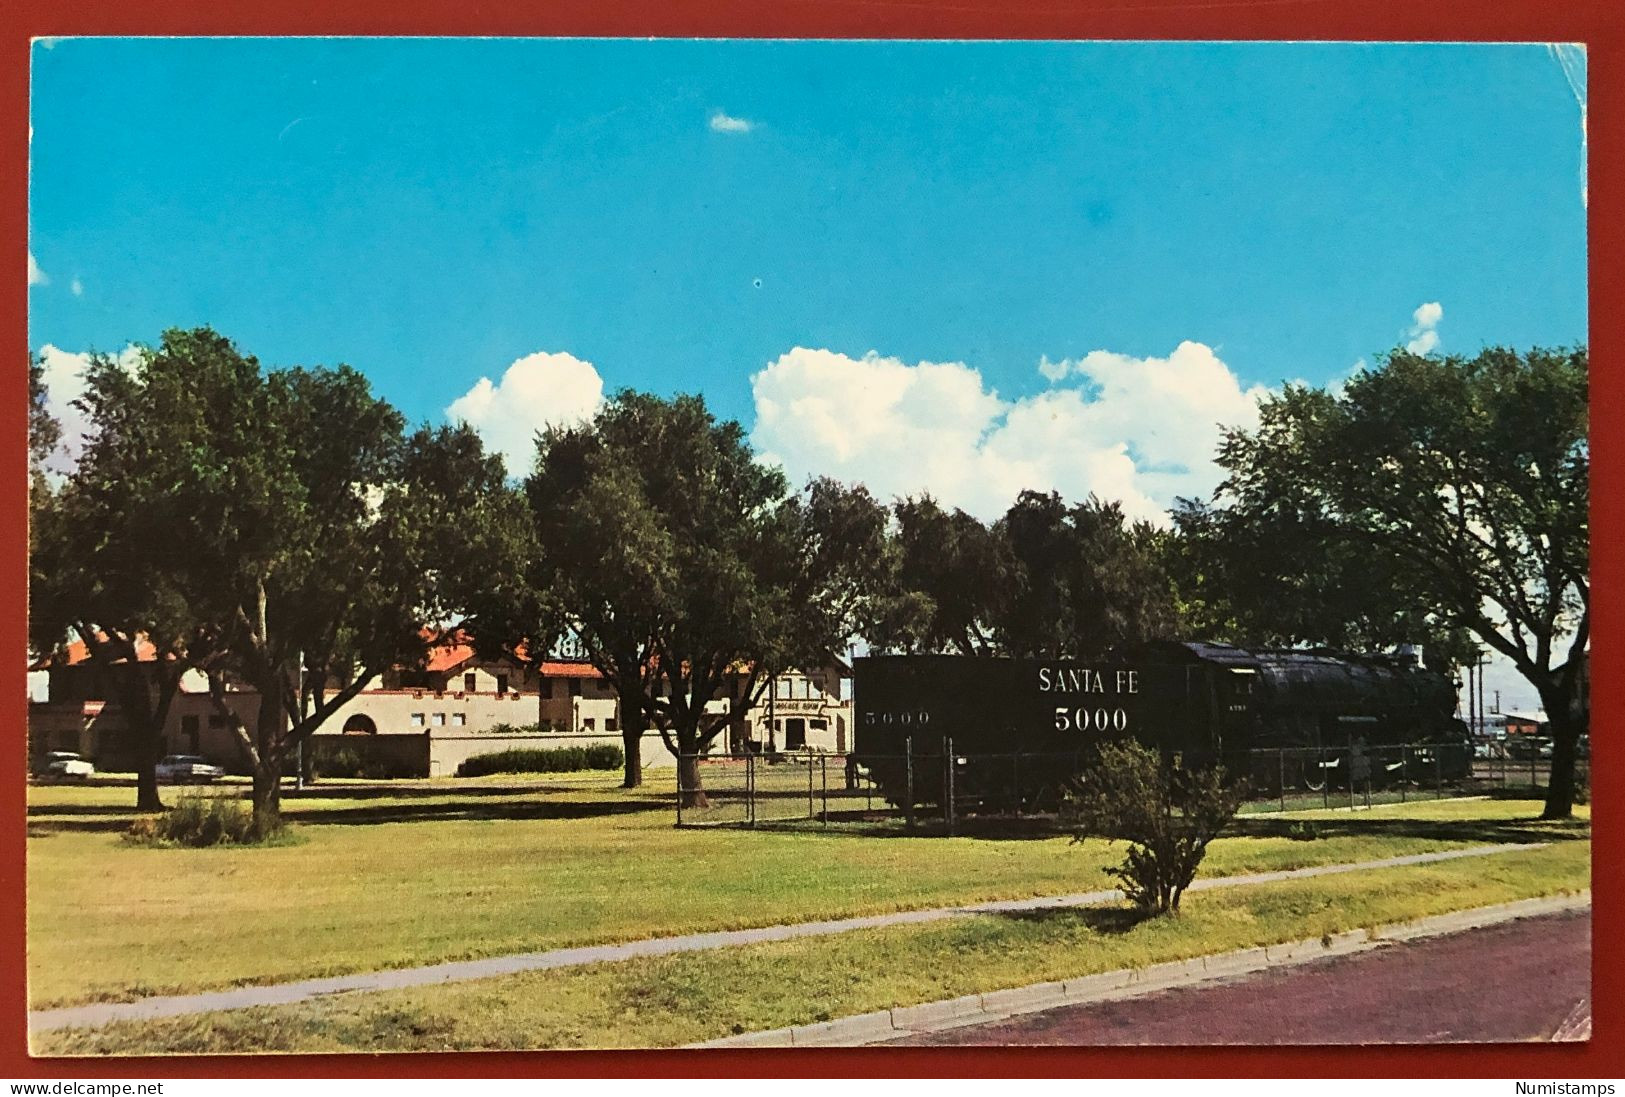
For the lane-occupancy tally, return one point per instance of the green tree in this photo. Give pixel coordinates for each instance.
(949, 577)
(684, 569)
(1048, 578)
(1277, 572)
(91, 568)
(1085, 579)
(283, 516)
(1451, 493)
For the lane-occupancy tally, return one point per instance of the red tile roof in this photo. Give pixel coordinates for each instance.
(570, 670)
(77, 653)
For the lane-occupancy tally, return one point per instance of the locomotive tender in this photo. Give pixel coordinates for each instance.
(1200, 702)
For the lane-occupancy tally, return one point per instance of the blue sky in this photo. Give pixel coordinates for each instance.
(750, 220)
(431, 211)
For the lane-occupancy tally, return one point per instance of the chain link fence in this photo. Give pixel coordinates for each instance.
(938, 789)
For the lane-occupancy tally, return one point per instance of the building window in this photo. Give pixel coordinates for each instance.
(417, 719)
(439, 719)
(218, 721)
(575, 687)
(189, 730)
(468, 682)
(611, 724)
(588, 723)
(502, 683)
(820, 725)
(546, 687)
(459, 718)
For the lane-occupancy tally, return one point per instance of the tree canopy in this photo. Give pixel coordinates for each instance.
(284, 515)
(1048, 578)
(684, 567)
(1431, 493)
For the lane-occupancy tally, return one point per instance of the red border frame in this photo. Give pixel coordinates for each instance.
(1598, 23)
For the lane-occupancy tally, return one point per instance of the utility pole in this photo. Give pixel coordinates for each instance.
(1473, 717)
(1497, 707)
(1481, 718)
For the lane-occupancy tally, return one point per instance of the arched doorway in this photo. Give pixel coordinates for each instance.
(360, 724)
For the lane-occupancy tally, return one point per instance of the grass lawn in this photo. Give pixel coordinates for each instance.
(422, 872)
(697, 996)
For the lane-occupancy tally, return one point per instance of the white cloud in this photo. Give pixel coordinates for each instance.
(537, 391)
(1138, 430)
(723, 123)
(77, 288)
(36, 277)
(1423, 333)
(1055, 371)
(65, 383)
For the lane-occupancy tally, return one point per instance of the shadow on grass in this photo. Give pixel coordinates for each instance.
(1107, 921)
(44, 820)
(872, 825)
(1478, 831)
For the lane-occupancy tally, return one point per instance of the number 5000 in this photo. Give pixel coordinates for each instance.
(1084, 719)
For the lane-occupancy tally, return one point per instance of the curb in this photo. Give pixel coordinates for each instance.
(999, 1005)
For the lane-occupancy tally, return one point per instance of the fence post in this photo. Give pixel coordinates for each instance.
(948, 783)
(679, 790)
(1348, 762)
(810, 812)
(1325, 779)
(1280, 757)
(1404, 769)
(750, 790)
(1534, 753)
(908, 795)
(823, 780)
(1438, 772)
(1015, 770)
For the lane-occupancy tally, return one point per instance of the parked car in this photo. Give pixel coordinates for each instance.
(65, 763)
(1526, 748)
(183, 769)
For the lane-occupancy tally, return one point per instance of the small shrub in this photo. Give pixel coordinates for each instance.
(557, 760)
(342, 762)
(1304, 830)
(205, 821)
(1167, 814)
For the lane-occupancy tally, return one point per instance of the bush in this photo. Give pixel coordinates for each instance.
(559, 760)
(205, 821)
(342, 762)
(347, 762)
(1303, 830)
(1167, 814)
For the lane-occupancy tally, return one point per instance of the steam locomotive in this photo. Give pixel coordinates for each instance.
(1020, 728)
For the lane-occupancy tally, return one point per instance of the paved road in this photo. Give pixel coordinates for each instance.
(1523, 980)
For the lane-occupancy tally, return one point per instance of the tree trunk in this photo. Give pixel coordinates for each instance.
(147, 732)
(688, 782)
(146, 773)
(269, 730)
(1565, 726)
(634, 722)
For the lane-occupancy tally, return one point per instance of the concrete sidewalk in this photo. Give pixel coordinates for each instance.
(89, 1016)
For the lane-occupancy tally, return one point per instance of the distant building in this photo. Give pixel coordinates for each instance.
(427, 720)
(799, 710)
